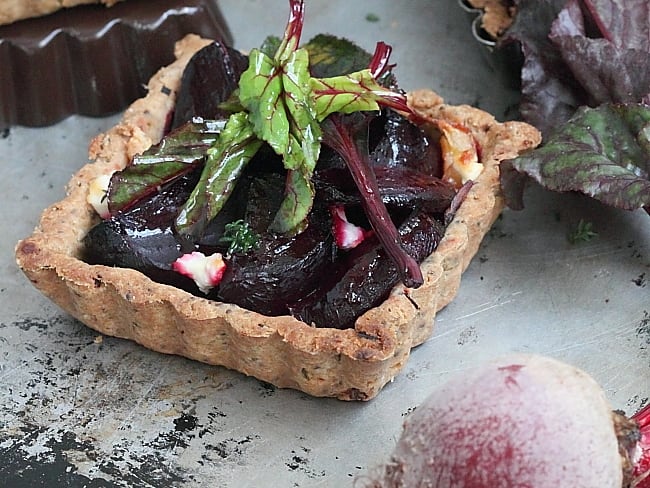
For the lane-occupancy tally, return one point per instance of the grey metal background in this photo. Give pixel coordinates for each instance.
(77, 409)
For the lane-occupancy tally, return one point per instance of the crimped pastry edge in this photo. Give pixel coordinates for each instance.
(351, 364)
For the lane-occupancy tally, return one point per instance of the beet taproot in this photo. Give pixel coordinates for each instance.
(519, 421)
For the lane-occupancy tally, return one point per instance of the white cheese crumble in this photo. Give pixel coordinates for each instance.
(97, 193)
(460, 158)
(206, 271)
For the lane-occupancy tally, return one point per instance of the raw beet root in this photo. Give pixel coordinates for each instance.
(520, 421)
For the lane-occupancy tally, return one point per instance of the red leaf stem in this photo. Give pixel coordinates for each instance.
(338, 136)
(379, 62)
(293, 30)
(641, 474)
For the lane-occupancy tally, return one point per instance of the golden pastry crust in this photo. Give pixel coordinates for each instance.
(14, 10)
(497, 16)
(352, 364)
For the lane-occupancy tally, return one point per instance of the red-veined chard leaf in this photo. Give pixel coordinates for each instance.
(260, 92)
(602, 152)
(361, 90)
(178, 153)
(345, 94)
(608, 69)
(276, 92)
(549, 92)
(622, 22)
(271, 45)
(333, 56)
(580, 53)
(226, 159)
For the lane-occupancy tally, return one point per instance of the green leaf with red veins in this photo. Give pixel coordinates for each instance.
(333, 56)
(173, 157)
(304, 144)
(357, 92)
(303, 124)
(277, 94)
(260, 92)
(297, 202)
(602, 152)
(346, 94)
(138, 181)
(227, 158)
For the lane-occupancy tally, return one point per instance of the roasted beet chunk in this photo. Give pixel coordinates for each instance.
(398, 186)
(143, 237)
(402, 143)
(280, 270)
(362, 278)
(209, 79)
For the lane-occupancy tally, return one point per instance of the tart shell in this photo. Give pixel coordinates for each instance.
(13, 10)
(351, 364)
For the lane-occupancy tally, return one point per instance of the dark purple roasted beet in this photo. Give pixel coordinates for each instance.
(364, 277)
(398, 186)
(404, 144)
(208, 80)
(143, 238)
(281, 270)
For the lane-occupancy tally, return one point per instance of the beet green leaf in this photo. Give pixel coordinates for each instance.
(602, 152)
(177, 154)
(226, 160)
(333, 56)
(276, 92)
(575, 56)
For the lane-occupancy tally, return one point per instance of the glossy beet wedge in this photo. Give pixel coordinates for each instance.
(350, 364)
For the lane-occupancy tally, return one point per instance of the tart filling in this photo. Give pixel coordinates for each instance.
(287, 184)
(349, 359)
(327, 273)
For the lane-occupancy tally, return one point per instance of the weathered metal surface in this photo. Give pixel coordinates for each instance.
(77, 409)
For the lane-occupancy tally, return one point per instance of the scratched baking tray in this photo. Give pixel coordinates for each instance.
(77, 409)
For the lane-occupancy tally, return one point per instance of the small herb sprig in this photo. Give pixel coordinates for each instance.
(240, 237)
(583, 232)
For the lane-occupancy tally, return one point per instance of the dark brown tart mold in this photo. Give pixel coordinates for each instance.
(351, 364)
(93, 60)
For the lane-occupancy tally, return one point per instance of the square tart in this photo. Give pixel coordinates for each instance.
(350, 364)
